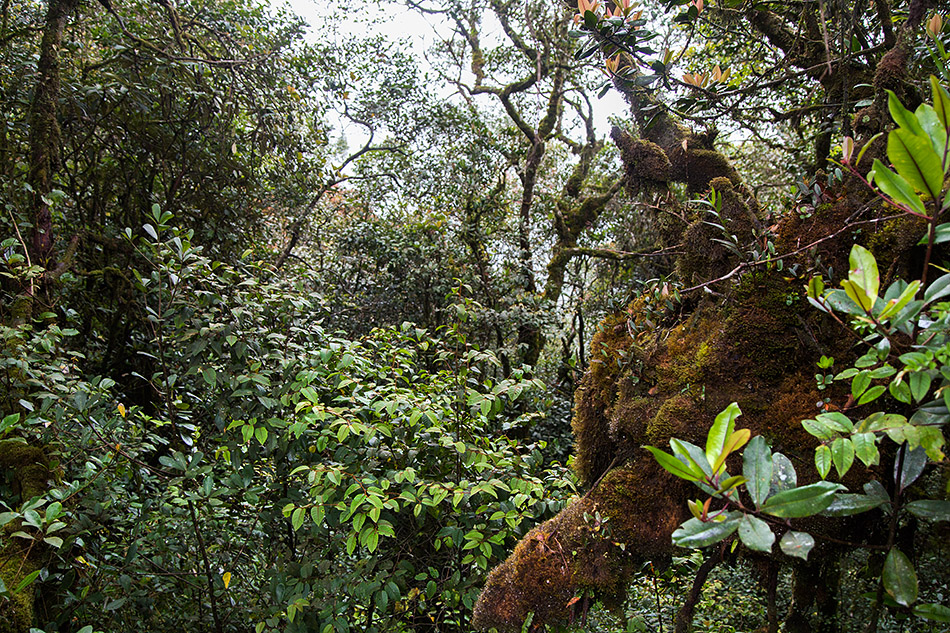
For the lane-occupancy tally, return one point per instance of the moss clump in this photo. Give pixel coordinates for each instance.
(598, 389)
(679, 416)
(27, 466)
(699, 167)
(18, 611)
(28, 473)
(645, 162)
(644, 504)
(540, 576)
(705, 257)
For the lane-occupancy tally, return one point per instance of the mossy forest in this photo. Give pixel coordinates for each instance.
(622, 316)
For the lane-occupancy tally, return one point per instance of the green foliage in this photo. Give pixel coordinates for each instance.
(282, 477)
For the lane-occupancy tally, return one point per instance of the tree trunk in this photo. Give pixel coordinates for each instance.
(44, 130)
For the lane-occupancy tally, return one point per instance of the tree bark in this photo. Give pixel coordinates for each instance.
(44, 130)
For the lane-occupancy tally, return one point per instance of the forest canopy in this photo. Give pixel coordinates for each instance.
(319, 330)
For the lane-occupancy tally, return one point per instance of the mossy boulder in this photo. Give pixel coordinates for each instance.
(27, 473)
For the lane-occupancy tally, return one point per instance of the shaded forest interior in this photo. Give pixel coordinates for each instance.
(316, 331)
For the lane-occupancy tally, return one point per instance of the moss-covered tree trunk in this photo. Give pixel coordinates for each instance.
(44, 132)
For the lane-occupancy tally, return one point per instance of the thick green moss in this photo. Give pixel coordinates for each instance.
(18, 611)
(28, 467)
(28, 474)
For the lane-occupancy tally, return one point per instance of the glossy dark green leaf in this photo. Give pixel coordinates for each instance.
(756, 533)
(757, 469)
(803, 501)
(695, 533)
(797, 544)
(848, 504)
(935, 612)
(913, 465)
(783, 474)
(900, 578)
(933, 509)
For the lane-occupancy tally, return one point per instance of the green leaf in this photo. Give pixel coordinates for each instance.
(210, 376)
(871, 394)
(858, 295)
(941, 99)
(27, 581)
(896, 188)
(903, 117)
(842, 453)
(846, 505)
(296, 519)
(916, 161)
(783, 473)
(721, 430)
(941, 285)
(736, 441)
(823, 460)
(674, 465)
(919, 385)
(930, 509)
(695, 533)
(797, 544)
(803, 501)
(935, 612)
(819, 429)
(900, 391)
(838, 421)
(865, 447)
(900, 579)
(863, 273)
(757, 469)
(755, 533)
(694, 456)
(895, 305)
(933, 127)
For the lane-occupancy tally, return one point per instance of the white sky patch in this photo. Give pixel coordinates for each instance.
(419, 32)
